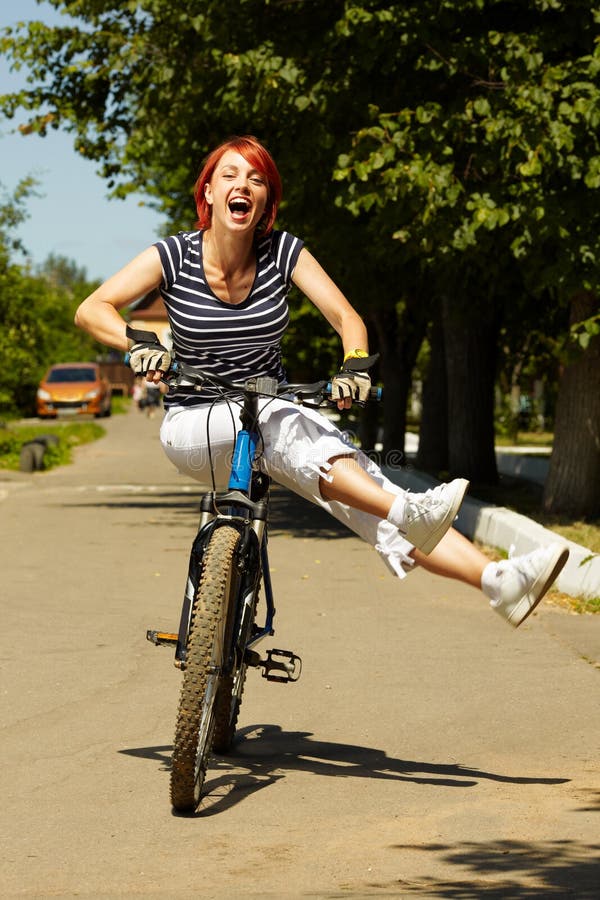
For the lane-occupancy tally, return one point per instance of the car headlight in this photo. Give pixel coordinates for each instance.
(91, 395)
(43, 395)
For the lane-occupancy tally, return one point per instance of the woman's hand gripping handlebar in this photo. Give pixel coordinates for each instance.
(352, 384)
(319, 393)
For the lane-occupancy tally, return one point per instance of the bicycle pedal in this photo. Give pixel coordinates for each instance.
(284, 662)
(161, 638)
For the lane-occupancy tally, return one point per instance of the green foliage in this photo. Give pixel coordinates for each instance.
(584, 331)
(310, 347)
(495, 152)
(36, 313)
(13, 213)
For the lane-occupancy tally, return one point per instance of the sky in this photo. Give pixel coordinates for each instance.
(72, 217)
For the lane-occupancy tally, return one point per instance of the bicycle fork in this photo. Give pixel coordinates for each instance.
(278, 665)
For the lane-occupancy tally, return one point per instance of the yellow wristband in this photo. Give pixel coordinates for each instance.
(355, 354)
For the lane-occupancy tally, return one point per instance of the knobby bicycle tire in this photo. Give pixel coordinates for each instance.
(202, 674)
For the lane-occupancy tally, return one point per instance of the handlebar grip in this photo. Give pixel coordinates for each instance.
(375, 393)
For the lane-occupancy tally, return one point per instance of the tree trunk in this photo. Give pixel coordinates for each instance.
(399, 336)
(470, 344)
(573, 483)
(432, 455)
(368, 427)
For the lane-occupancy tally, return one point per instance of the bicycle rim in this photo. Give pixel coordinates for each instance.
(229, 700)
(227, 710)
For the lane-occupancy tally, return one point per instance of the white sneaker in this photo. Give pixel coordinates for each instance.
(522, 581)
(427, 517)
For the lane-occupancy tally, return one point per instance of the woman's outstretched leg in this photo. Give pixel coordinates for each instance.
(422, 518)
(513, 586)
(454, 557)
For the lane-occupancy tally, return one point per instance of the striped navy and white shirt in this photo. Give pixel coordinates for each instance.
(236, 341)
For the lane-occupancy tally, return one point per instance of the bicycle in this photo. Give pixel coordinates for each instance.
(214, 646)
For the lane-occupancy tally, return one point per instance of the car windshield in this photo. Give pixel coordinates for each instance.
(77, 373)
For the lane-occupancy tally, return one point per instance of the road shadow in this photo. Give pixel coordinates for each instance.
(501, 869)
(507, 869)
(291, 514)
(263, 754)
(288, 513)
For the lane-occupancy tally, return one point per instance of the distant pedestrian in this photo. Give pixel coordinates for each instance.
(152, 399)
(138, 393)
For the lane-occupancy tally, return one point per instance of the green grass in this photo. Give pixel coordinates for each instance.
(526, 439)
(586, 605)
(120, 404)
(70, 435)
(526, 497)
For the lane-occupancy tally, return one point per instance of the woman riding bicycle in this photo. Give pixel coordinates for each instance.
(225, 286)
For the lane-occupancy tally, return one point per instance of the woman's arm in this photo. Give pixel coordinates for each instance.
(314, 281)
(98, 313)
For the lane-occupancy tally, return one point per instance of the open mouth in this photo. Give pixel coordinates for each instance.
(239, 208)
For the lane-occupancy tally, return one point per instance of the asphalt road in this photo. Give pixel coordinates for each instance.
(428, 750)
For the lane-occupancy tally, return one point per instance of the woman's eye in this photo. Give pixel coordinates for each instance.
(256, 180)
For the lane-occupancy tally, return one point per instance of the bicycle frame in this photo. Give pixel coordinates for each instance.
(244, 506)
(232, 507)
(241, 499)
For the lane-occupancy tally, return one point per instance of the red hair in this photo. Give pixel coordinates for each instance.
(259, 157)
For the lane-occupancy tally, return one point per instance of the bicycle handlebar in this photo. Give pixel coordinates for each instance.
(315, 394)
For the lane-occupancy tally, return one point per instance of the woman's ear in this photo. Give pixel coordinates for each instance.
(208, 193)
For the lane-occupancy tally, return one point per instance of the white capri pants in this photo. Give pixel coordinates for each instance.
(297, 445)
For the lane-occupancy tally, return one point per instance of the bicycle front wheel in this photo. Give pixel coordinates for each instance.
(203, 671)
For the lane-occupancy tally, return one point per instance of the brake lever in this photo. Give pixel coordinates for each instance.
(179, 380)
(315, 403)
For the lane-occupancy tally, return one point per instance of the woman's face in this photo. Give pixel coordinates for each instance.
(237, 193)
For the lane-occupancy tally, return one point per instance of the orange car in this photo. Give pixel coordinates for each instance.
(73, 389)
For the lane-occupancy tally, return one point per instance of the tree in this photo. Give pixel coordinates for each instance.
(489, 174)
(36, 313)
(573, 483)
(18, 330)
